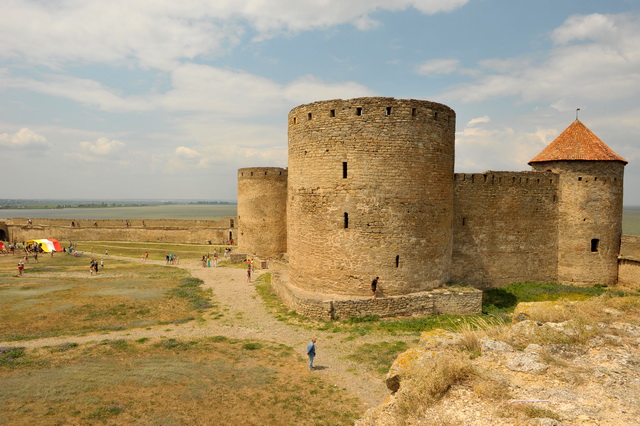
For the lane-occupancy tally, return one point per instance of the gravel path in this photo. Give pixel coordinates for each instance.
(246, 317)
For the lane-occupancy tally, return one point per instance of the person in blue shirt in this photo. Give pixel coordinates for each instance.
(311, 352)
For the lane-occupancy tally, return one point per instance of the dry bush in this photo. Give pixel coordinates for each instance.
(487, 387)
(548, 358)
(430, 383)
(590, 311)
(534, 412)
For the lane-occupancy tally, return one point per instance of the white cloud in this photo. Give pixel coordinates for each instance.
(438, 66)
(586, 27)
(185, 152)
(23, 138)
(161, 33)
(103, 147)
(478, 120)
(499, 147)
(605, 67)
(198, 88)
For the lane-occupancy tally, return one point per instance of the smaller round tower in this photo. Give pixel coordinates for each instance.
(262, 211)
(589, 204)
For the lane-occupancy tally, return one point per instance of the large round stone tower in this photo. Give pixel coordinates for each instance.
(370, 194)
(589, 204)
(262, 211)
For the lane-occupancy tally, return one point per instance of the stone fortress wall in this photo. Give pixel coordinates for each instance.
(370, 193)
(590, 218)
(262, 211)
(505, 227)
(147, 230)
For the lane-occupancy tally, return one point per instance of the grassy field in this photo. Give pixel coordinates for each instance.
(157, 251)
(57, 295)
(167, 382)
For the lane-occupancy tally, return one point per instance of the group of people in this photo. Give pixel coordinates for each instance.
(170, 258)
(93, 267)
(207, 259)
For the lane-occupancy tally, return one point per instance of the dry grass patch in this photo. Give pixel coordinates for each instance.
(428, 385)
(206, 381)
(58, 296)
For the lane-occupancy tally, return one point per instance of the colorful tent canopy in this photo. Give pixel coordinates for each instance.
(48, 245)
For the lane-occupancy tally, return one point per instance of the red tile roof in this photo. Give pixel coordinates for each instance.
(577, 142)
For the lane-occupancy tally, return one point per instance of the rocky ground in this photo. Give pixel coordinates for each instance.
(532, 372)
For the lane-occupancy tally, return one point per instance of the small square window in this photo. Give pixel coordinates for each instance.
(359, 111)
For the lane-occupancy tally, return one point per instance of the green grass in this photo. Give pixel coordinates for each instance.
(378, 356)
(205, 381)
(505, 299)
(190, 288)
(157, 251)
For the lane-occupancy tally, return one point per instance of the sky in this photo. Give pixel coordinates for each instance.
(165, 99)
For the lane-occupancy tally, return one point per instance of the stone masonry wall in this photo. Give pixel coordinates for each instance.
(630, 246)
(629, 272)
(455, 301)
(590, 217)
(370, 194)
(262, 211)
(504, 228)
(153, 230)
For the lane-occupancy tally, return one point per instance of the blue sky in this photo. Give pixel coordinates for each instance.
(166, 100)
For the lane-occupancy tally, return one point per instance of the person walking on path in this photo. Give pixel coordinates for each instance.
(311, 352)
(106, 252)
(249, 271)
(20, 267)
(374, 287)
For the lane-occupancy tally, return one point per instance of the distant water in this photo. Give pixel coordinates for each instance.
(631, 220)
(630, 215)
(174, 211)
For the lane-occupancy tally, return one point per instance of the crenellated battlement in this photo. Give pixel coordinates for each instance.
(380, 109)
(507, 178)
(260, 172)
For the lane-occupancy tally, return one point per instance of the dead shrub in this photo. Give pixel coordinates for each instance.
(492, 389)
(431, 382)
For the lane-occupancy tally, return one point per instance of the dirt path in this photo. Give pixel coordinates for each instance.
(246, 317)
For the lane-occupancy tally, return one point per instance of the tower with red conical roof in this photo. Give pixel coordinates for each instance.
(589, 204)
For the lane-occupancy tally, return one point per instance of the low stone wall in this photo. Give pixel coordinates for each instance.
(628, 271)
(151, 230)
(329, 307)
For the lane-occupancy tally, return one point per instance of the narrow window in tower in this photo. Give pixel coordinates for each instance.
(265, 173)
(594, 245)
(344, 170)
(397, 261)
(580, 178)
(231, 223)
(346, 220)
(309, 116)
(294, 120)
(332, 113)
(359, 111)
(388, 111)
(414, 112)
(251, 173)
(464, 221)
(435, 115)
